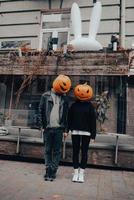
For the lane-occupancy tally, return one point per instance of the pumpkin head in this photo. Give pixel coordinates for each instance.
(62, 84)
(83, 92)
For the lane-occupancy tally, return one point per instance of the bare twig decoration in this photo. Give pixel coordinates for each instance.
(26, 82)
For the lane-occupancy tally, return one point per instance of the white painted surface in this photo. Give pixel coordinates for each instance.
(51, 18)
(130, 14)
(108, 12)
(18, 18)
(24, 30)
(23, 5)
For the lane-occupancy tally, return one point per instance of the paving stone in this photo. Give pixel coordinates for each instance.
(24, 181)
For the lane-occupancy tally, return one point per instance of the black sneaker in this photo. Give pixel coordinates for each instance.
(48, 174)
(53, 174)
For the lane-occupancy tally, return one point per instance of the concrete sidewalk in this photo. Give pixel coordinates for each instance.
(24, 181)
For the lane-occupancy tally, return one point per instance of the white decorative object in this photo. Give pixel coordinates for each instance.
(132, 45)
(86, 43)
(3, 131)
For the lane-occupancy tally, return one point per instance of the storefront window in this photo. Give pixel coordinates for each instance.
(20, 104)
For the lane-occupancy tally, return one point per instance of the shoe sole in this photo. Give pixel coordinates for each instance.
(46, 179)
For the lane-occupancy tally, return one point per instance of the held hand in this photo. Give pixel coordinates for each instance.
(92, 141)
(65, 135)
(41, 129)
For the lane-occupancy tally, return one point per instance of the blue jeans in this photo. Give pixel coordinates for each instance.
(53, 143)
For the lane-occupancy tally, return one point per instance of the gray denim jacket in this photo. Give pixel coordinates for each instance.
(45, 107)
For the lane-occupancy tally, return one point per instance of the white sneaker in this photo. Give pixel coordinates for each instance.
(81, 176)
(75, 176)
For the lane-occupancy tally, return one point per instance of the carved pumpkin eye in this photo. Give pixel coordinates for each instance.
(78, 90)
(64, 84)
(87, 91)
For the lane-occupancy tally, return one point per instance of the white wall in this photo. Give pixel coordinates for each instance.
(18, 18)
(21, 19)
(23, 5)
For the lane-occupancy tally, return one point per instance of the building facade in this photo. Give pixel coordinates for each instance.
(31, 25)
(24, 22)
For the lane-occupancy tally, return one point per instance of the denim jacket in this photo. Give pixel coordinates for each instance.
(45, 107)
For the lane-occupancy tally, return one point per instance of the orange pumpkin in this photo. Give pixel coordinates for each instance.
(83, 92)
(62, 84)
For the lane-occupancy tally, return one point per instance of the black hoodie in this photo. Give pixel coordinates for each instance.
(82, 116)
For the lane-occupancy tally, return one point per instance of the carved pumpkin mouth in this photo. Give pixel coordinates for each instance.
(84, 98)
(63, 89)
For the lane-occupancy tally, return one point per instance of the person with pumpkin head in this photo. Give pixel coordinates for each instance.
(53, 109)
(82, 125)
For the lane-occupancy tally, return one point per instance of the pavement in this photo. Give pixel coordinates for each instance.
(24, 181)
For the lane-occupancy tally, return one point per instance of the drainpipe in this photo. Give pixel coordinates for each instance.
(123, 22)
(61, 3)
(49, 4)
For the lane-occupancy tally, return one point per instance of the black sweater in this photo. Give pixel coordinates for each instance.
(81, 116)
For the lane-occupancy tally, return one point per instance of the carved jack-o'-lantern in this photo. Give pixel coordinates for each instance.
(83, 92)
(62, 84)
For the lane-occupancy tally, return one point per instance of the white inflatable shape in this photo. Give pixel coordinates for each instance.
(85, 43)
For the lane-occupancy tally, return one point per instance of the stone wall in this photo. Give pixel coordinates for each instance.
(97, 156)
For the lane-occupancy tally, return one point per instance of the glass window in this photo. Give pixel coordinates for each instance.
(22, 107)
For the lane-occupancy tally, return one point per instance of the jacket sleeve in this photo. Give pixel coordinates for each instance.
(92, 122)
(41, 113)
(65, 113)
(69, 119)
